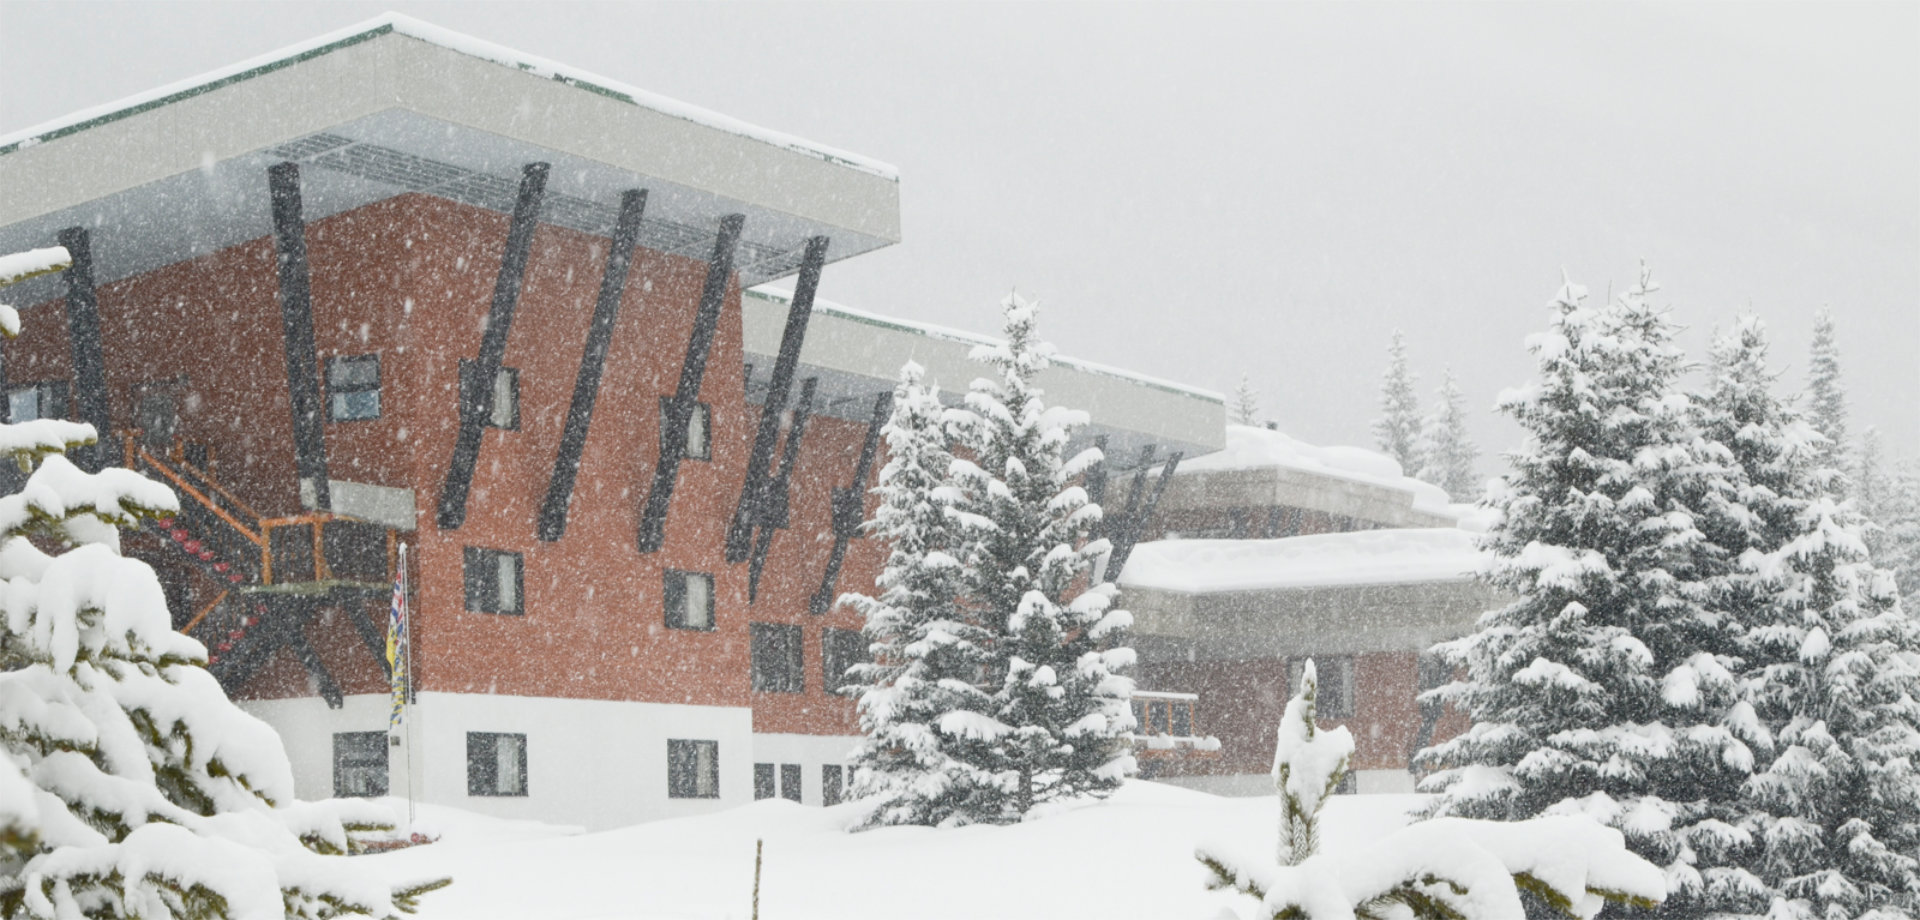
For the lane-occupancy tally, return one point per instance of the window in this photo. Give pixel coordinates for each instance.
(790, 781)
(776, 658)
(37, 400)
(698, 445)
(359, 764)
(353, 388)
(763, 787)
(506, 394)
(689, 600)
(1336, 684)
(693, 769)
(833, 780)
(496, 764)
(494, 581)
(841, 649)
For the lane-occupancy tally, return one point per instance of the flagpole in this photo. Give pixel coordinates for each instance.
(407, 699)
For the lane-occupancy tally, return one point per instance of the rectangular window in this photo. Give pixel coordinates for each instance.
(698, 445)
(841, 649)
(359, 764)
(506, 394)
(689, 600)
(763, 787)
(1182, 713)
(790, 781)
(1335, 700)
(693, 769)
(353, 388)
(833, 780)
(496, 764)
(37, 401)
(777, 658)
(494, 581)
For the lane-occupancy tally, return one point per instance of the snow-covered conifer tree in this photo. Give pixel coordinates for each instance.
(1246, 403)
(1397, 430)
(1899, 518)
(1446, 450)
(924, 758)
(1608, 686)
(129, 785)
(1826, 397)
(1062, 713)
(1833, 812)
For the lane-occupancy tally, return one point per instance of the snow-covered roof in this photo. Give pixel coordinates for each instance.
(1365, 557)
(395, 105)
(445, 38)
(1250, 448)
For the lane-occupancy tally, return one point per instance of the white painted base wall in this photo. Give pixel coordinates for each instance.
(812, 752)
(595, 763)
(1246, 785)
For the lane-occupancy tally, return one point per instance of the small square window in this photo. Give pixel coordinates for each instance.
(833, 783)
(37, 401)
(1335, 700)
(777, 666)
(841, 649)
(506, 394)
(689, 600)
(353, 388)
(359, 764)
(693, 769)
(763, 784)
(790, 781)
(496, 764)
(698, 445)
(494, 581)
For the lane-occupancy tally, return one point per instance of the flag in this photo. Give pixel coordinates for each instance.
(397, 641)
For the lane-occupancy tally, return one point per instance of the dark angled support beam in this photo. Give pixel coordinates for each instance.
(753, 494)
(89, 364)
(310, 659)
(296, 327)
(1137, 523)
(673, 429)
(369, 634)
(772, 513)
(476, 400)
(586, 386)
(849, 506)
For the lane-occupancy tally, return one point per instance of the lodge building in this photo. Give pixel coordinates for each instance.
(398, 287)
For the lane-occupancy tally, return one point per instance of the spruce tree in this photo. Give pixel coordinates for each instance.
(1826, 398)
(1608, 687)
(1246, 403)
(1446, 450)
(1833, 811)
(129, 785)
(1062, 713)
(1397, 430)
(925, 758)
(1899, 520)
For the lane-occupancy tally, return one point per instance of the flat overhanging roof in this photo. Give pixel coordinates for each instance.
(395, 106)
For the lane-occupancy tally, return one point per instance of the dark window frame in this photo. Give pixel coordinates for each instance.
(337, 391)
(483, 765)
(841, 649)
(683, 764)
(673, 599)
(793, 780)
(702, 411)
(778, 653)
(1337, 674)
(479, 577)
(512, 375)
(833, 784)
(355, 750)
(765, 785)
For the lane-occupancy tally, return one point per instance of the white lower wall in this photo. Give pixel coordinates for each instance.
(811, 752)
(595, 763)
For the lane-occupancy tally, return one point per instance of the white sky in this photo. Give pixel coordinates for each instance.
(1201, 191)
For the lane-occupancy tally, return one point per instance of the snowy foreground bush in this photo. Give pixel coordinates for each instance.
(1443, 869)
(129, 785)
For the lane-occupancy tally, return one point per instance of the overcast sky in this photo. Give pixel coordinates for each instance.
(1201, 191)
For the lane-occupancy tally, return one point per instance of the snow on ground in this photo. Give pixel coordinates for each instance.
(1128, 857)
(1363, 557)
(1250, 448)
